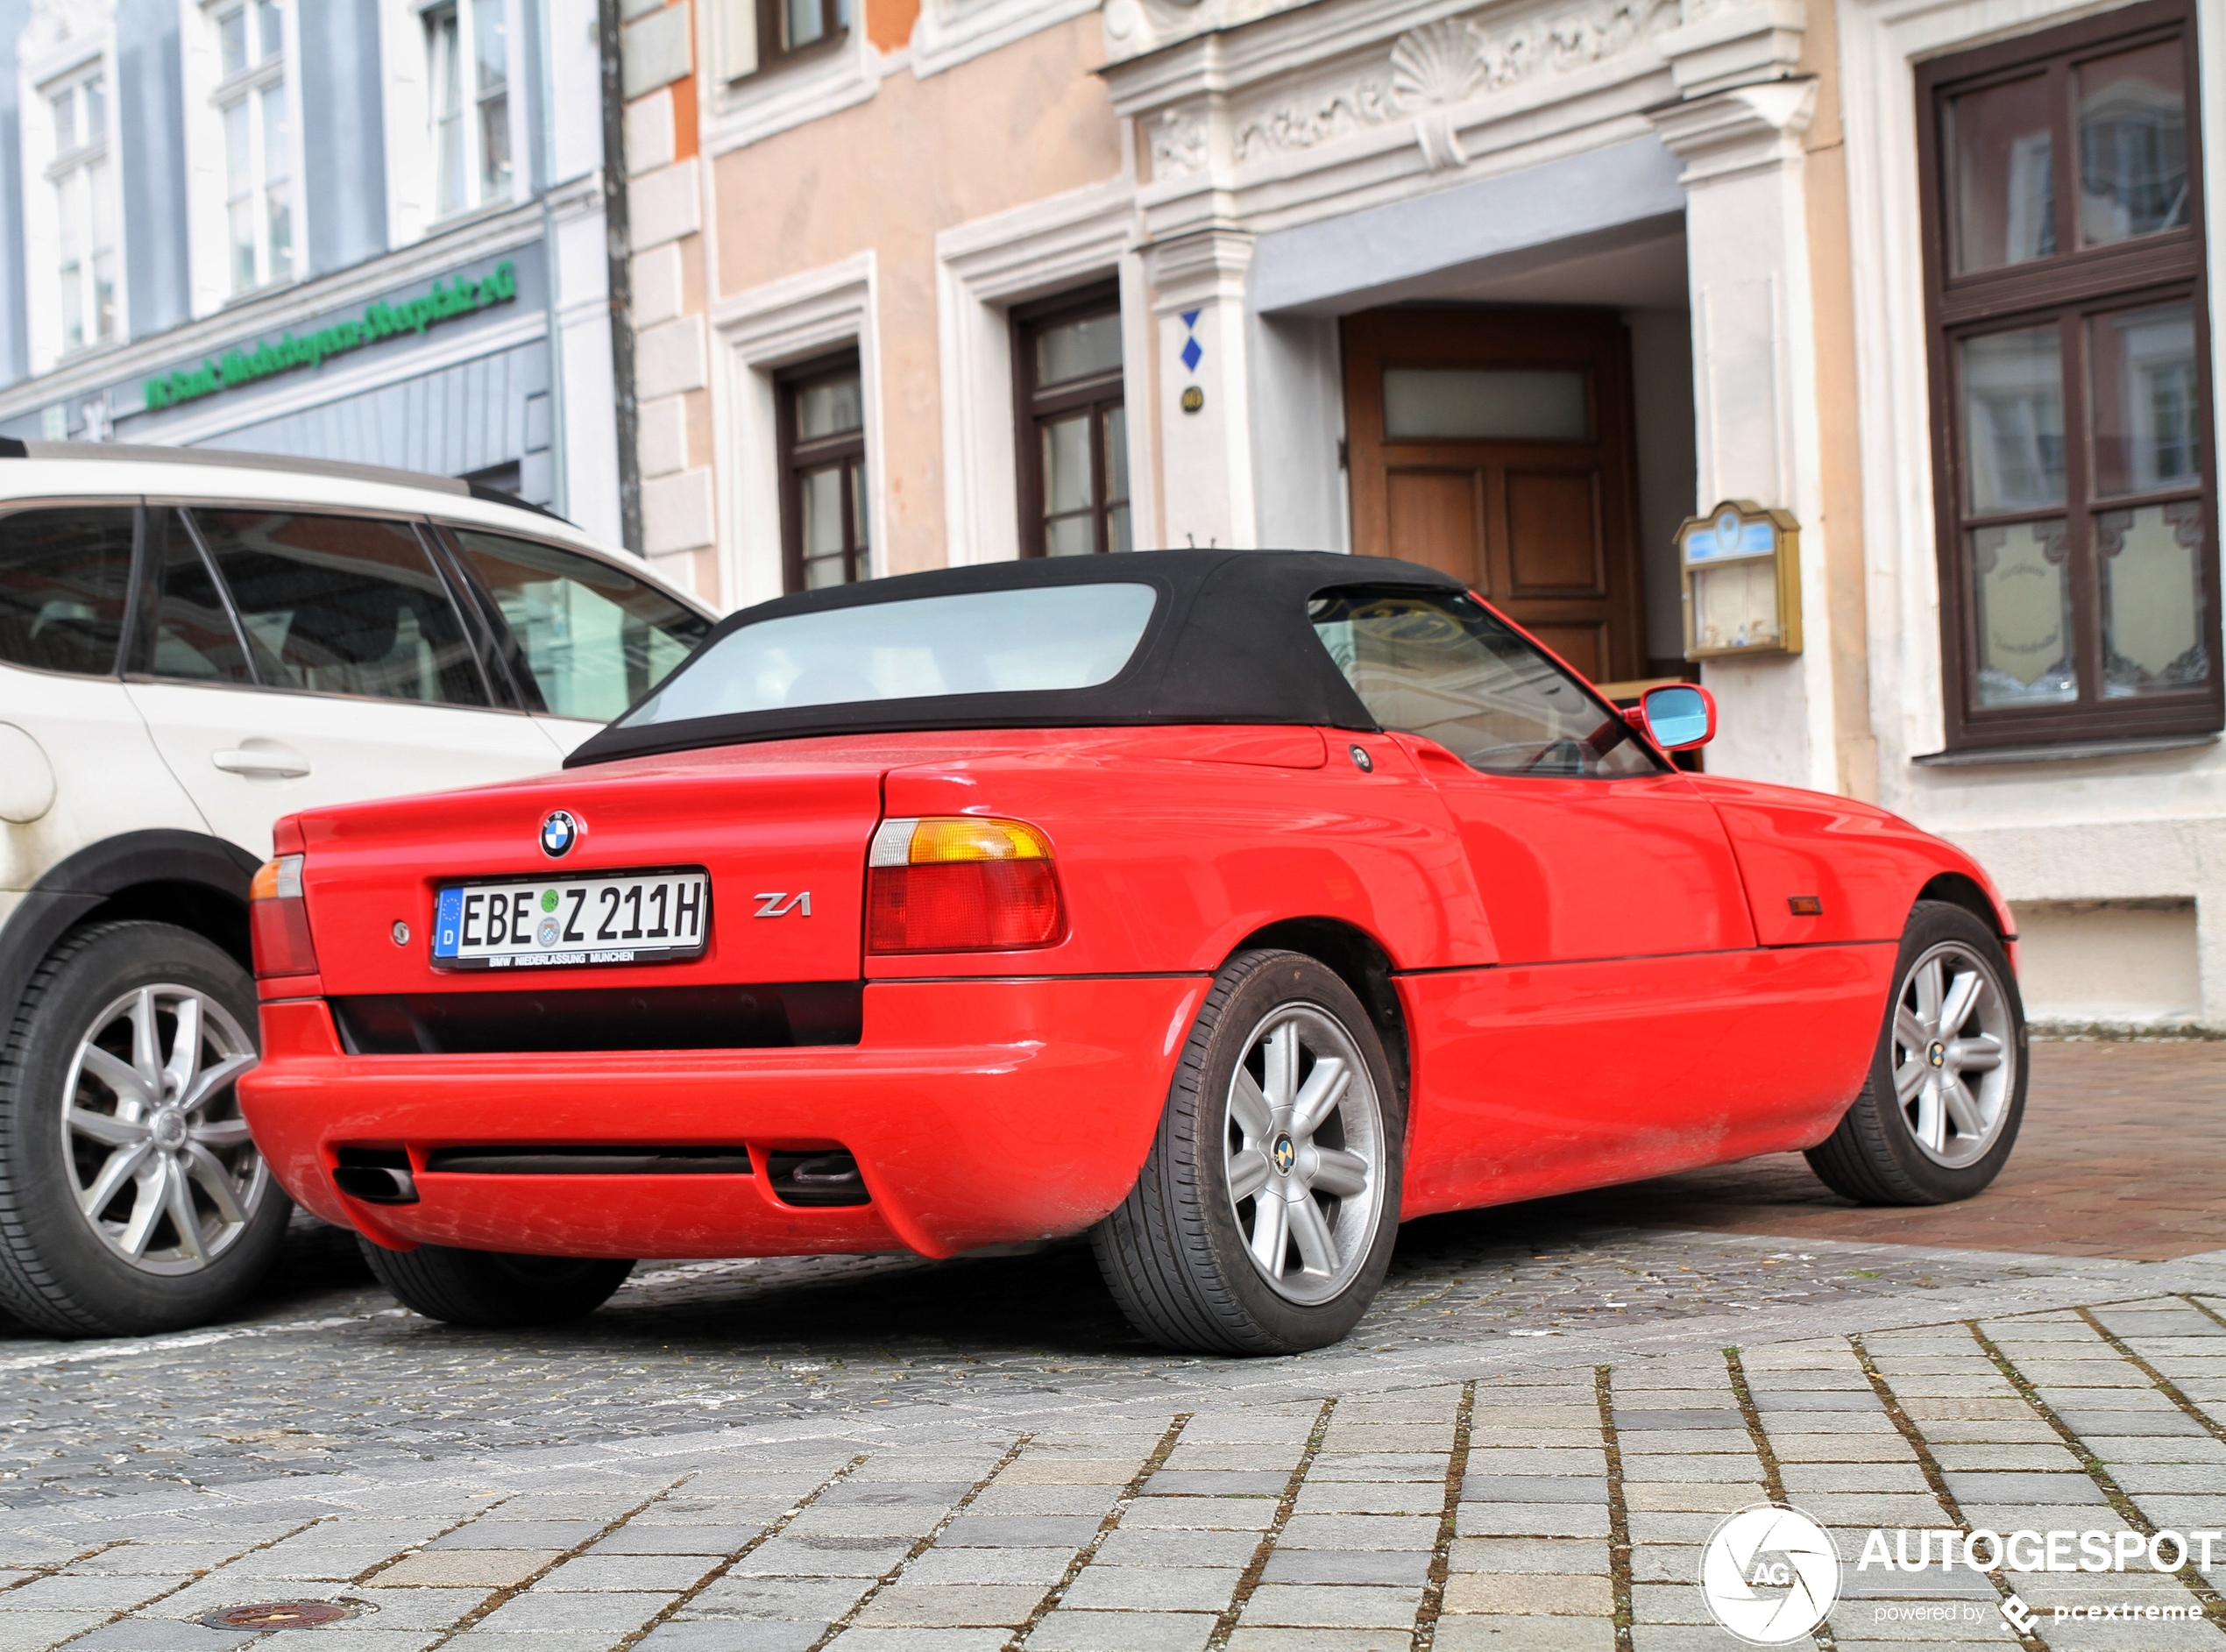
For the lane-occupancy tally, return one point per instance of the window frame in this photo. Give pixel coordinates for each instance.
(93, 165)
(764, 22)
(2068, 287)
(795, 456)
(471, 126)
(251, 86)
(1034, 406)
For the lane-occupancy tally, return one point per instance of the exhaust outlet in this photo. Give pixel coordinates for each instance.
(376, 1175)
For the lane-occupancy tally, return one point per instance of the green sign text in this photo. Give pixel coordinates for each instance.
(382, 320)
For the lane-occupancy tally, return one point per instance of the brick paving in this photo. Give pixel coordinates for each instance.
(1523, 1448)
(1550, 1503)
(2123, 1153)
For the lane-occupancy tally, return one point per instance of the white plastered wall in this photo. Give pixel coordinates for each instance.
(2142, 827)
(1755, 395)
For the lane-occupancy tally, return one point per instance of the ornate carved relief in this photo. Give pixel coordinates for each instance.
(1433, 70)
(1178, 143)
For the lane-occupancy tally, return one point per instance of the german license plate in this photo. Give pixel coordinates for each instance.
(607, 918)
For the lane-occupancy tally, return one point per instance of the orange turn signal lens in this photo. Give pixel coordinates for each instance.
(278, 920)
(944, 841)
(279, 880)
(960, 884)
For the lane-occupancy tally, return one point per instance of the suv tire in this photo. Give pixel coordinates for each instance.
(102, 1098)
(1264, 1219)
(493, 1289)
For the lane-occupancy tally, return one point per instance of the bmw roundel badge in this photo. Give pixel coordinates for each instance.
(560, 829)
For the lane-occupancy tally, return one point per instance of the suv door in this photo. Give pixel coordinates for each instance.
(290, 658)
(583, 638)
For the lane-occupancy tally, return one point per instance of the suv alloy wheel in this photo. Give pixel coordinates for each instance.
(131, 1197)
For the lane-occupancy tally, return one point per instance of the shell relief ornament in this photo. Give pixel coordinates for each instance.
(1432, 68)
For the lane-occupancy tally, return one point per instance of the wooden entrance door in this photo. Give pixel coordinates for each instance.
(1496, 445)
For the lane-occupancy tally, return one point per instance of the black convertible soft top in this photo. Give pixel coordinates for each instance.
(1228, 641)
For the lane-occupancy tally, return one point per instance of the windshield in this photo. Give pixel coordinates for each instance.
(983, 642)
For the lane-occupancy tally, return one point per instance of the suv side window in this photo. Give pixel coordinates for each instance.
(194, 635)
(63, 577)
(338, 605)
(1442, 666)
(591, 638)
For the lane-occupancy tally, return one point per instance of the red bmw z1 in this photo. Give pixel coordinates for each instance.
(1227, 907)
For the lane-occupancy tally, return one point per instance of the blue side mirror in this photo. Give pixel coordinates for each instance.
(1680, 716)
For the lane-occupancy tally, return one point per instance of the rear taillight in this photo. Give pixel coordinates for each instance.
(278, 920)
(961, 885)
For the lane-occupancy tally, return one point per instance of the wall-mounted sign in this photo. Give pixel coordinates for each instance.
(382, 320)
(1741, 566)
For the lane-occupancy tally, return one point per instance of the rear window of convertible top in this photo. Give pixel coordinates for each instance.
(980, 642)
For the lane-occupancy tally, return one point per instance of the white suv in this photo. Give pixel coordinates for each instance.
(192, 644)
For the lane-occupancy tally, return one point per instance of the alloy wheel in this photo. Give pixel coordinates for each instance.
(1304, 1153)
(165, 1172)
(1954, 1055)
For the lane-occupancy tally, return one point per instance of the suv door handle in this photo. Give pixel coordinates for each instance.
(265, 757)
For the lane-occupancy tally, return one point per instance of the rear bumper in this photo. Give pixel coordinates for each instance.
(981, 1112)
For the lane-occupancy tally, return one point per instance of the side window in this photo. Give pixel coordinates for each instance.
(342, 604)
(1441, 666)
(63, 573)
(1073, 431)
(826, 534)
(195, 636)
(591, 638)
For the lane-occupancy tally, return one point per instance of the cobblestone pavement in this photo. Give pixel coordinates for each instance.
(1522, 1448)
(343, 1374)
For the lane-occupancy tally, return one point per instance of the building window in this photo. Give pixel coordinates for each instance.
(1074, 434)
(824, 525)
(84, 209)
(754, 34)
(2078, 520)
(467, 48)
(258, 144)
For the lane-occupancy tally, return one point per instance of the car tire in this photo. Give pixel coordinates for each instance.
(1261, 1222)
(493, 1289)
(94, 1094)
(1908, 1138)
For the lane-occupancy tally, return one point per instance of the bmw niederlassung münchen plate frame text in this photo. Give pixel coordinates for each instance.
(660, 915)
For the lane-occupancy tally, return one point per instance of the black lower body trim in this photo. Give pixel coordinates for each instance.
(722, 1018)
